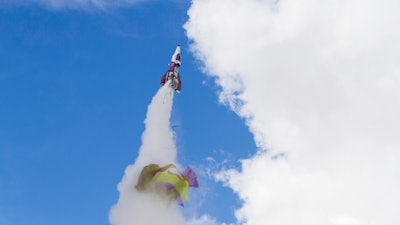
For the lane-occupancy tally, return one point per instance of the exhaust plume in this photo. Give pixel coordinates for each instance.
(158, 147)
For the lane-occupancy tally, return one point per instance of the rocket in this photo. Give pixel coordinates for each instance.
(172, 73)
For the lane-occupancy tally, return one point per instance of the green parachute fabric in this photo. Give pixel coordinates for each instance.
(180, 183)
(146, 176)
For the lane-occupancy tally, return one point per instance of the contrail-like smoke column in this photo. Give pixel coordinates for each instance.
(158, 146)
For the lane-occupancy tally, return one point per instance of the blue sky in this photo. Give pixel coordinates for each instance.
(288, 110)
(74, 90)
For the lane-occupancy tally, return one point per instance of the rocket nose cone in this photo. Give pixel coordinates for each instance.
(176, 57)
(178, 49)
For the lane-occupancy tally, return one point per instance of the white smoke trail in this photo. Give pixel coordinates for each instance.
(158, 146)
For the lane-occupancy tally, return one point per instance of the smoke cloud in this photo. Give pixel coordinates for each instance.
(317, 83)
(158, 147)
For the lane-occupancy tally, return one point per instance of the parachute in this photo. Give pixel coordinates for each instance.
(154, 178)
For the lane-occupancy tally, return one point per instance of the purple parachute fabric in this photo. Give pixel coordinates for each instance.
(191, 177)
(179, 201)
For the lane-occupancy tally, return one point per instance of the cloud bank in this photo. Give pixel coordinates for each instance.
(317, 83)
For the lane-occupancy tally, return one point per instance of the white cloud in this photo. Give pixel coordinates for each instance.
(73, 4)
(318, 80)
(204, 220)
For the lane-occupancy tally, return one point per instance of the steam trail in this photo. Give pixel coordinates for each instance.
(158, 146)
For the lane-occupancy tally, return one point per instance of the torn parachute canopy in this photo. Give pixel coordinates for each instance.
(174, 185)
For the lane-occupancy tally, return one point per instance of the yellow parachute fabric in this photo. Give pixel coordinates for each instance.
(179, 182)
